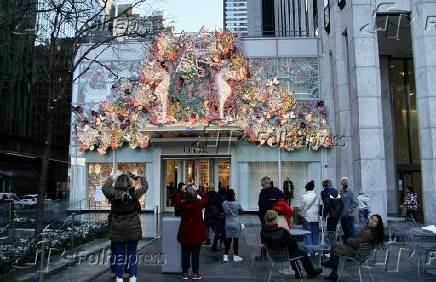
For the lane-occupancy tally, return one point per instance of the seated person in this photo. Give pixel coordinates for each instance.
(373, 234)
(273, 236)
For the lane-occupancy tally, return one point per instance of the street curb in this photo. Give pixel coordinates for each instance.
(104, 271)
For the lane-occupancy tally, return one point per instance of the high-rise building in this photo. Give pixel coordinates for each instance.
(282, 18)
(235, 16)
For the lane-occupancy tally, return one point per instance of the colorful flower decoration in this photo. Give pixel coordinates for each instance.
(200, 79)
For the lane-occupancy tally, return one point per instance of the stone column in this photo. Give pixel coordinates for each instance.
(368, 153)
(424, 56)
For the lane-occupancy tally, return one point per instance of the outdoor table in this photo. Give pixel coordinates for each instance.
(395, 218)
(299, 232)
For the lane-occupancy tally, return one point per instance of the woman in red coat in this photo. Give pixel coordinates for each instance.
(192, 231)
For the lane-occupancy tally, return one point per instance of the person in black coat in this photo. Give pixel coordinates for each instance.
(218, 218)
(333, 205)
(267, 197)
(273, 236)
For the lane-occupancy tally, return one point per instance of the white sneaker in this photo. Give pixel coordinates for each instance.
(226, 258)
(132, 279)
(119, 280)
(237, 258)
(327, 255)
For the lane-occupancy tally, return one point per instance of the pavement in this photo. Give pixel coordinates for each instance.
(213, 269)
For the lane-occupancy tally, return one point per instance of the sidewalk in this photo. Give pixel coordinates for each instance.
(90, 268)
(213, 269)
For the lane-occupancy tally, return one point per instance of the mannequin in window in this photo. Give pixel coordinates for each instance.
(288, 190)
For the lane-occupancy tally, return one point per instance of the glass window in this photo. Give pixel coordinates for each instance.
(257, 170)
(299, 75)
(224, 173)
(98, 173)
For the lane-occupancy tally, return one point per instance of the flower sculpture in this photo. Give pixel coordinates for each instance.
(201, 79)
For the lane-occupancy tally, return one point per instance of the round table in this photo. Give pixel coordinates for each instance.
(299, 232)
(395, 218)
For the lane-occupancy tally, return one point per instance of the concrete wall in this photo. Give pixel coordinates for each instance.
(353, 87)
(424, 42)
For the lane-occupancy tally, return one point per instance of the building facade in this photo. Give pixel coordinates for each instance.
(235, 16)
(370, 61)
(377, 73)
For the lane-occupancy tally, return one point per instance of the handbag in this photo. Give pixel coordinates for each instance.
(242, 224)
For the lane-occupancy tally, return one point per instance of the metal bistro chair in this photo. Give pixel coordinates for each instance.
(363, 252)
(423, 243)
(326, 243)
(252, 238)
(280, 257)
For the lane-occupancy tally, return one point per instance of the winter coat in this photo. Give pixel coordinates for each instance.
(267, 197)
(350, 247)
(192, 231)
(349, 200)
(333, 204)
(125, 225)
(274, 237)
(309, 207)
(214, 214)
(283, 209)
(233, 223)
(364, 200)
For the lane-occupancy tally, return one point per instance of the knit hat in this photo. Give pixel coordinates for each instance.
(310, 185)
(271, 217)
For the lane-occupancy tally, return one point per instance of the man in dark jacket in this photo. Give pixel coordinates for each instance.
(333, 205)
(274, 237)
(267, 197)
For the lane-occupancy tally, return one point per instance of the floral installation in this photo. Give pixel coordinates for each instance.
(202, 79)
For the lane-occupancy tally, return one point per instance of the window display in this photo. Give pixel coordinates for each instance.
(98, 172)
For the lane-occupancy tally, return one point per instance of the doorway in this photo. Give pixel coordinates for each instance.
(208, 174)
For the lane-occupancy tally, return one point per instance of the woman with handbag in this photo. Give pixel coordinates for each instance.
(310, 212)
(233, 226)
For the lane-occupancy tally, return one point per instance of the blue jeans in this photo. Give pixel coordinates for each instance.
(124, 256)
(313, 237)
(363, 216)
(112, 265)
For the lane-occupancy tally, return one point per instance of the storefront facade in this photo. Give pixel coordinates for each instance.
(209, 157)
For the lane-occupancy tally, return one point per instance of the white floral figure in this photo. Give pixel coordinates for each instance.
(224, 89)
(162, 91)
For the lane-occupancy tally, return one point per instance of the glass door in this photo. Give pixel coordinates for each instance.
(170, 183)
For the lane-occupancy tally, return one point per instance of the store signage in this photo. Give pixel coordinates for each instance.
(195, 148)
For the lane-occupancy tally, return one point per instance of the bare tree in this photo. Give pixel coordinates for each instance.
(64, 25)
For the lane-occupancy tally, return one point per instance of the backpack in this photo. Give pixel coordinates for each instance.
(335, 207)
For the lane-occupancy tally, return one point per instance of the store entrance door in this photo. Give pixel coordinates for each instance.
(208, 174)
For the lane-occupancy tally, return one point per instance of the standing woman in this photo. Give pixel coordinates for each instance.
(125, 226)
(232, 208)
(309, 212)
(411, 203)
(192, 231)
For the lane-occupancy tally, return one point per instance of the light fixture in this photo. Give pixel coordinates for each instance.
(341, 4)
